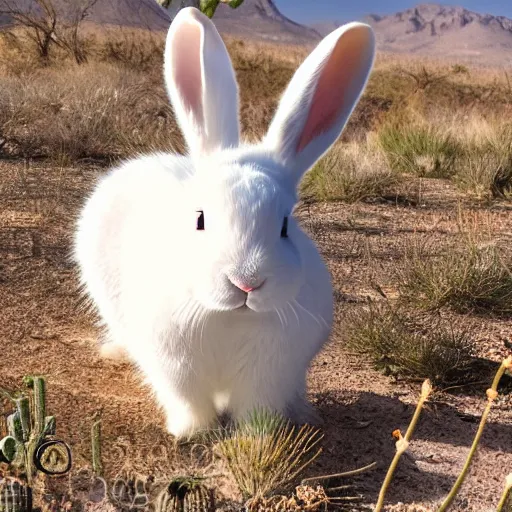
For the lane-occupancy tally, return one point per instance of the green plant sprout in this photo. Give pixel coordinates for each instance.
(207, 7)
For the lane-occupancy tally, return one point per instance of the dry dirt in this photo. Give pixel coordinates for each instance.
(42, 331)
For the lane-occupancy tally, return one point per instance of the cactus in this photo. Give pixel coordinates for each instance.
(14, 427)
(15, 497)
(50, 426)
(23, 410)
(27, 447)
(7, 449)
(130, 491)
(39, 387)
(185, 495)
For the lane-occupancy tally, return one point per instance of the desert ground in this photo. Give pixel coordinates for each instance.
(59, 134)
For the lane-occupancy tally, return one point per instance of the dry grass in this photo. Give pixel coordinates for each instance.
(94, 110)
(424, 151)
(486, 167)
(116, 106)
(266, 453)
(402, 343)
(350, 173)
(473, 277)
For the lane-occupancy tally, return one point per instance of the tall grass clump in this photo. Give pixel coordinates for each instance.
(486, 167)
(472, 278)
(265, 452)
(94, 111)
(420, 150)
(350, 172)
(412, 346)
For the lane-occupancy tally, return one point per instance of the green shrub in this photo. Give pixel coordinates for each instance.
(415, 346)
(486, 169)
(419, 150)
(471, 278)
(350, 173)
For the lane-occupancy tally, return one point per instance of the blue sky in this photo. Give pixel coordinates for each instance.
(311, 11)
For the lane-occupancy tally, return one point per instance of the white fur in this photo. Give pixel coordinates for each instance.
(165, 290)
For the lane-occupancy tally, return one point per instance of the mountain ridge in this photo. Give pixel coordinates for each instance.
(442, 31)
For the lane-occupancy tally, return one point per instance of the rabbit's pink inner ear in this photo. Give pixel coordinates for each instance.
(187, 70)
(338, 85)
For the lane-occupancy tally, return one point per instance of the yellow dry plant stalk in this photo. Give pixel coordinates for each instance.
(403, 442)
(492, 394)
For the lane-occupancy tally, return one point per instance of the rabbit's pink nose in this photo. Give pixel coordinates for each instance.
(247, 288)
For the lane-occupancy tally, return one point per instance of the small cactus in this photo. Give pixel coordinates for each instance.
(15, 496)
(185, 495)
(7, 449)
(130, 492)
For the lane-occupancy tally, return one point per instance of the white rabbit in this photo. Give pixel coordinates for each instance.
(195, 263)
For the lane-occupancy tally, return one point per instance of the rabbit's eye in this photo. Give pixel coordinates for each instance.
(284, 229)
(200, 220)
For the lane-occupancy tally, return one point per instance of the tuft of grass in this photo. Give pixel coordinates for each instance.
(350, 173)
(474, 278)
(423, 151)
(486, 168)
(93, 111)
(401, 344)
(266, 453)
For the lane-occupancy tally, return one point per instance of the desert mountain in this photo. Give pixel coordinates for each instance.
(261, 18)
(253, 19)
(443, 31)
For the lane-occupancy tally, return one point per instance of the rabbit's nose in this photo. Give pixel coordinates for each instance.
(246, 287)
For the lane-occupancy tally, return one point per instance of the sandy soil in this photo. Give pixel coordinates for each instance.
(44, 331)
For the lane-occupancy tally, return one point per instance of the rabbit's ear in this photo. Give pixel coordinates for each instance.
(201, 83)
(320, 97)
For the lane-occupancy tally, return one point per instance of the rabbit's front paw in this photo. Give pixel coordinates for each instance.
(113, 351)
(183, 420)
